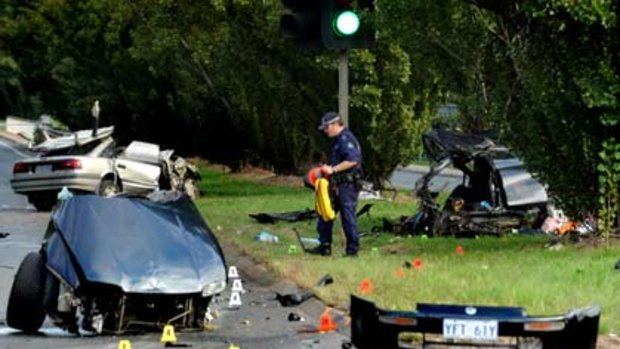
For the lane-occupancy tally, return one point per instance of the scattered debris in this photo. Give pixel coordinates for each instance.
(297, 216)
(325, 280)
(293, 216)
(293, 317)
(364, 210)
(264, 236)
(293, 299)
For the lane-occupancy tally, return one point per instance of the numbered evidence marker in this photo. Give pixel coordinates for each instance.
(232, 272)
(168, 335)
(124, 344)
(366, 286)
(292, 249)
(235, 300)
(237, 286)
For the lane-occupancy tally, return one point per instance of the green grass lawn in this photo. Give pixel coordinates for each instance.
(511, 270)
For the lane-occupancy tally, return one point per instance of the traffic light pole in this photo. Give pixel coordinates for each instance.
(343, 86)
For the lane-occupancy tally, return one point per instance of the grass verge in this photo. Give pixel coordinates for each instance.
(511, 270)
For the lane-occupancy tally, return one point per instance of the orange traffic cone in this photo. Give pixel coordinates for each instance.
(326, 322)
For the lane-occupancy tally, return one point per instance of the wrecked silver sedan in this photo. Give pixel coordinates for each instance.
(118, 264)
(497, 193)
(97, 164)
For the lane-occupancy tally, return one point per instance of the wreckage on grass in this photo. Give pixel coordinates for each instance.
(472, 326)
(497, 193)
(120, 264)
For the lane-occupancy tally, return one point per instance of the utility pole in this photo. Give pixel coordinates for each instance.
(343, 86)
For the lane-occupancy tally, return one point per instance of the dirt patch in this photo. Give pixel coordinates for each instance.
(608, 342)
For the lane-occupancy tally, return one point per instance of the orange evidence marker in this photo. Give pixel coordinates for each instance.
(400, 273)
(459, 250)
(366, 286)
(326, 323)
(418, 264)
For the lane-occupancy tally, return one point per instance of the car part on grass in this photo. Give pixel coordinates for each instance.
(120, 264)
(292, 216)
(497, 193)
(472, 326)
(293, 299)
(302, 242)
(297, 216)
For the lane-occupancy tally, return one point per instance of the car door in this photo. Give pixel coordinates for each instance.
(139, 167)
(137, 177)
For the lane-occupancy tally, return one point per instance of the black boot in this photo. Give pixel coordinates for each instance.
(323, 250)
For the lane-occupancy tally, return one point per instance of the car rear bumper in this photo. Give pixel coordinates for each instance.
(374, 328)
(81, 182)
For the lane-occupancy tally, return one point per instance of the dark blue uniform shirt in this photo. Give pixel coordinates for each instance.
(346, 147)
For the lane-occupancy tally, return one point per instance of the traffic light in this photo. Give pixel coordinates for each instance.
(343, 27)
(302, 23)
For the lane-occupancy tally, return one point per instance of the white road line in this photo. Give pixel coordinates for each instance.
(16, 151)
(48, 331)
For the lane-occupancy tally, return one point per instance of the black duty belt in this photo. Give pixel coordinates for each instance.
(346, 177)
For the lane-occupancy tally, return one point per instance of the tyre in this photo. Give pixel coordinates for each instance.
(25, 310)
(108, 187)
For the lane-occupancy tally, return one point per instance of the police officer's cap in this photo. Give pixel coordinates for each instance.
(328, 118)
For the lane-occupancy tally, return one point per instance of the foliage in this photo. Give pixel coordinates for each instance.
(609, 186)
(559, 90)
(216, 79)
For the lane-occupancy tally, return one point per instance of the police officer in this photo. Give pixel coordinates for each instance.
(345, 171)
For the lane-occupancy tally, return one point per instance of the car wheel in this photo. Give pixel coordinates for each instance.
(198, 316)
(109, 187)
(25, 310)
(42, 202)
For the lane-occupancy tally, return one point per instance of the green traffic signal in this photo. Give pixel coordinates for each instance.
(346, 23)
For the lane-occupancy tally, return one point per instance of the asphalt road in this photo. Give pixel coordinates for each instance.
(260, 322)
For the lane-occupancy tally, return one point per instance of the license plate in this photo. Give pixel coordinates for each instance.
(470, 329)
(44, 168)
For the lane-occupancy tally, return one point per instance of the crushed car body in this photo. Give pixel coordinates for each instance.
(118, 264)
(97, 164)
(472, 326)
(497, 193)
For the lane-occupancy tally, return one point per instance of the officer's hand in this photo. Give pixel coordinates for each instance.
(328, 170)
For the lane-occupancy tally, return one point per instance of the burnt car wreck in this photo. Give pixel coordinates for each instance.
(116, 264)
(497, 193)
(473, 326)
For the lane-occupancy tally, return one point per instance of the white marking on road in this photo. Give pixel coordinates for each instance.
(48, 331)
(15, 150)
